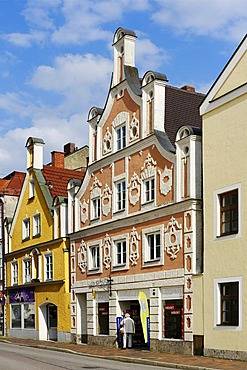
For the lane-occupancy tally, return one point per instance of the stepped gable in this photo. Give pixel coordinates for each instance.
(57, 179)
(181, 109)
(12, 183)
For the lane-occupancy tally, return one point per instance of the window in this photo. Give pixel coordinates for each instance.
(103, 317)
(31, 188)
(228, 303)
(94, 257)
(48, 267)
(26, 229)
(229, 212)
(120, 252)
(120, 195)
(153, 241)
(36, 225)
(14, 270)
(121, 137)
(149, 190)
(95, 208)
(23, 316)
(26, 271)
(173, 318)
(229, 293)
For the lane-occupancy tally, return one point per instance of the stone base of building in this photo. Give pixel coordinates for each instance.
(172, 346)
(226, 354)
(103, 341)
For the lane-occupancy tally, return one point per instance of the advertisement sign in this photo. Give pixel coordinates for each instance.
(144, 314)
(21, 295)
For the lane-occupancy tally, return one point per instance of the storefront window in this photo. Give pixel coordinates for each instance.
(16, 316)
(173, 318)
(103, 317)
(29, 316)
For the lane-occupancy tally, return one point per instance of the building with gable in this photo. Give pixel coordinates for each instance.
(37, 250)
(10, 188)
(224, 187)
(135, 223)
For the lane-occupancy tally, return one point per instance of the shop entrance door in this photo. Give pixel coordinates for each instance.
(173, 318)
(52, 322)
(138, 337)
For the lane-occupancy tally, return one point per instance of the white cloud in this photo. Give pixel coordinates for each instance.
(24, 39)
(215, 18)
(150, 56)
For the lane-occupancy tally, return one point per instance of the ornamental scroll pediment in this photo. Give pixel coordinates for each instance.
(107, 251)
(82, 256)
(134, 189)
(106, 200)
(95, 188)
(165, 180)
(134, 249)
(148, 170)
(173, 238)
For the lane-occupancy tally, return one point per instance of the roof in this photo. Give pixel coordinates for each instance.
(181, 109)
(12, 183)
(57, 179)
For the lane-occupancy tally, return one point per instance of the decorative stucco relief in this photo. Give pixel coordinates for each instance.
(107, 142)
(82, 256)
(134, 250)
(134, 189)
(134, 128)
(173, 238)
(148, 170)
(166, 180)
(106, 200)
(95, 188)
(84, 211)
(107, 252)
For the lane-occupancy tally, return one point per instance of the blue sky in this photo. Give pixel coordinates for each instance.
(56, 60)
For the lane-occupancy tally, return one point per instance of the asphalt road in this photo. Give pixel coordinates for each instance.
(13, 357)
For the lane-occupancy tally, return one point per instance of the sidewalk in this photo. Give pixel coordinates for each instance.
(134, 356)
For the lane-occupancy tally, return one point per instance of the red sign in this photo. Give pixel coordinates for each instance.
(169, 307)
(176, 311)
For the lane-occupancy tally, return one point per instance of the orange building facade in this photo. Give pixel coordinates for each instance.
(135, 222)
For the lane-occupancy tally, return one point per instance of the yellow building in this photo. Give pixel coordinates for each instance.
(37, 255)
(225, 195)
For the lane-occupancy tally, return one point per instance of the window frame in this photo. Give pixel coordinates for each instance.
(14, 272)
(120, 195)
(149, 194)
(94, 269)
(37, 225)
(26, 229)
(121, 138)
(48, 266)
(146, 257)
(95, 208)
(124, 238)
(27, 266)
(21, 307)
(218, 283)
(217, 212)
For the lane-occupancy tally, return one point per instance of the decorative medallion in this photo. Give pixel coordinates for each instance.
(107, 251)
(107, 142)
(165, 180)
(134, 128)
(134, 189)
(106, 200)
(134, 252)
(84, 211)
(82, 256)
(173, 238)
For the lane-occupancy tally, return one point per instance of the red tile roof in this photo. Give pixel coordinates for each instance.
(12, 183)
(57, 179)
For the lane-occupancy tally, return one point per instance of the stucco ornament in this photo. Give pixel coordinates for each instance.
(165, 180)
(107, 251)
(95, 188)
(173, 238)
(134, 250)
(107, 142)
(106, 200)
(84, 211)
(82, 256)
(134, 189)
(148, 170)
(134, 128)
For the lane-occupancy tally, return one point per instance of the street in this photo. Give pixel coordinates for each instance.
(14, 357)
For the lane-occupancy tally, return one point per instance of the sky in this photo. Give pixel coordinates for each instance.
(56, 60)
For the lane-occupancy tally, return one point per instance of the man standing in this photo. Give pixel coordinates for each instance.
(129, 329)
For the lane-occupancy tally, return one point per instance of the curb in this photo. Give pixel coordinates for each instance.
(141, 361)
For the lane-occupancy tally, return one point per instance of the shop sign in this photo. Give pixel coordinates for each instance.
(169, 307)
(21, 295)
(175, 312)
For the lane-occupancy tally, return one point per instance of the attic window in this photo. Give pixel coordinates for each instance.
(184, 133)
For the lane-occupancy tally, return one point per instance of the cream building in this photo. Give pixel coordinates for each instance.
(224, 113)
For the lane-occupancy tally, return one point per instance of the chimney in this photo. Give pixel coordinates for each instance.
(188, 88)
(57, 159)
(69, 148)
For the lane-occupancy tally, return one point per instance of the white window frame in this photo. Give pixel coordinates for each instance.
(217, 221)
(48, 266)
(14, 272)
(95, 208)
(27, 267)
(31, 188)
(91, 268)
(22, 310)
(146, 249)
(147, 194)
(217, 303)
(26, 228)
(120, 239)
(120, 195)
(121, 140)
(37, 224)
